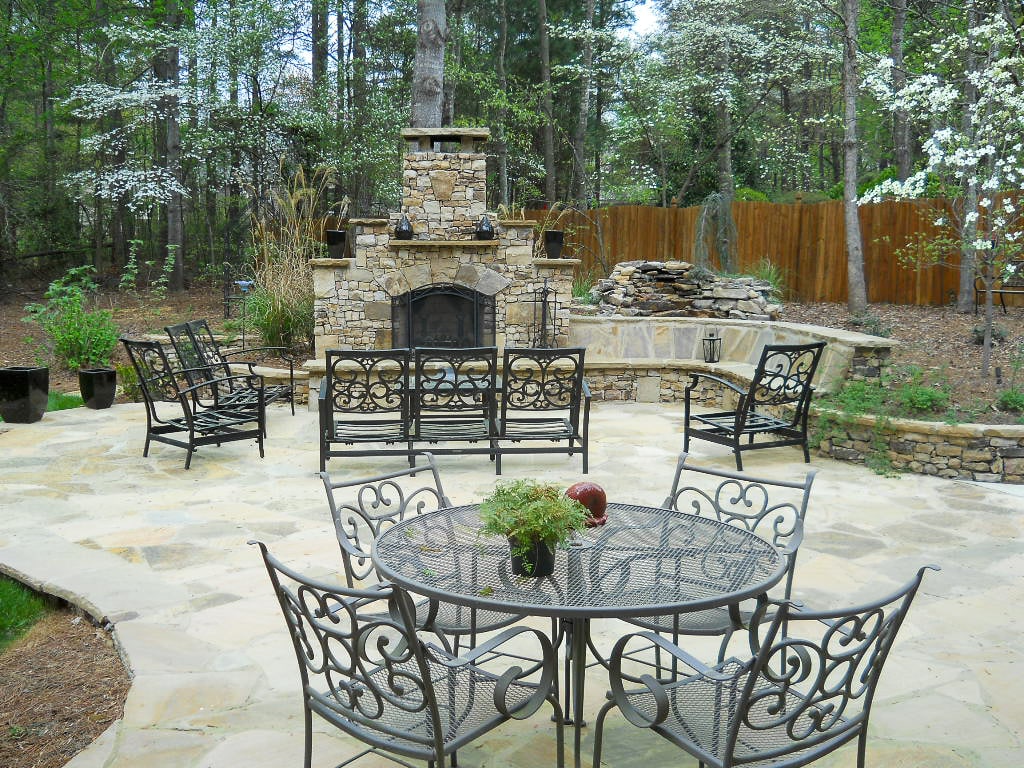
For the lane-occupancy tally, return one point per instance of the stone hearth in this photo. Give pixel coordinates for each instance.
(443, 195)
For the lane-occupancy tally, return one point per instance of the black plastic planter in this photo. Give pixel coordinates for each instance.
(23, 392)
(98, 387)
(537, 561)
(553, 240)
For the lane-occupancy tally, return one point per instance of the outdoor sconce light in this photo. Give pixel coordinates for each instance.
(712, 347)
(404, 229)
(484, 229)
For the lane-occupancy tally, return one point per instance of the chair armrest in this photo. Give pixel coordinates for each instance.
(246, 377)
(654, 687)
(282, 352)
(695, 377)
(586, 389)
(515, 673)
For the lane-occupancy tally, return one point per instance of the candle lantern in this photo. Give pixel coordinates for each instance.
(712, 347)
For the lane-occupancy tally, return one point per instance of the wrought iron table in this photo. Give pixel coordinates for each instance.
(645, 562)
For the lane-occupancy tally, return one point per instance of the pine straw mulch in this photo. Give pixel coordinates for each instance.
(61, 686)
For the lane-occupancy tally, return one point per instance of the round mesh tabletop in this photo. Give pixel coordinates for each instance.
(645, 562)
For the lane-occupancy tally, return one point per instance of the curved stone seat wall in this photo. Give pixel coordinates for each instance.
(648, 358)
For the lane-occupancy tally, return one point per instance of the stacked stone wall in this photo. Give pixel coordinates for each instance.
(679, 289)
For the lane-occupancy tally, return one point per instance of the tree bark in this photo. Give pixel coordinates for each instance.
(175, 212)
(319, 36)
(581, 179)
(900, 120)
(428, 66)
(548, 128)
(503, 196)
(725, 241)
(857, 299)
(448, 110)
(969, 229)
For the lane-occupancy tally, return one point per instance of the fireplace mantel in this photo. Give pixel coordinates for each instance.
(399, 244)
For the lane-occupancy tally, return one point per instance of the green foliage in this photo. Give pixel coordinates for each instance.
(581, 285)
(282, 319)
(750, 195)
(859, 397)
(999, 333)
(531, 512)
(20, 608)
(1011, 399)
(129, 381)
(78, 338)
(906, 393)
(62, 401)
(871, 324)
(765, 269)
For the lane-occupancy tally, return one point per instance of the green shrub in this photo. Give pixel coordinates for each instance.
(765, 269)
(859, 397)
(750, 195)
(78, 338)
(871, 324)
(999, 333)
(283, 319)
(919, 398)
(129, 381)
(581, 285)
(1011, 399)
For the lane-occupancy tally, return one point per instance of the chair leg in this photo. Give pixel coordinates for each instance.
(599, 732)
(308, 742)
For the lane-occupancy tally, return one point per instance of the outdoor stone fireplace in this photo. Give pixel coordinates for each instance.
(443, 287)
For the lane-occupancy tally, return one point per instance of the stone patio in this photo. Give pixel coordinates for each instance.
(161, 554)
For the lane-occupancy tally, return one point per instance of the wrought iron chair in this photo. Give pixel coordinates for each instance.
(361, 509)
(545, 397)
(453, 399)
(782, 381)
(803, 693)
(364, 402)
(773, 509)
(205, 418)
(202, 360)
(368, 671)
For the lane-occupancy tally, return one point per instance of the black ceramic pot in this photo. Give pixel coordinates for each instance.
(537, 561)
(23, 391)
(335, 236)
(404, 229)
(484, 229)
(98, 386)
(553, 240)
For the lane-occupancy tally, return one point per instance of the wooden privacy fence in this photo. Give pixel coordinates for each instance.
(806, 241)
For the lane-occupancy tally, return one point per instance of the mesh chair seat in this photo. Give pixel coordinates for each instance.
(755, 422)
(369, 431)
(464, 698)
(701, 716)
(536, 429)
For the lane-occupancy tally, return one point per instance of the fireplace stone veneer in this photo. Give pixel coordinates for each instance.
(443, 195)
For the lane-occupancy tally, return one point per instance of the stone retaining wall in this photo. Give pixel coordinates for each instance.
(981, 452)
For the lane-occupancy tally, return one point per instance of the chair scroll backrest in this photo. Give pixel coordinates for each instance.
(362, 666)
(542, 379)
(157, 377)
(455, 380)
(772, 509)
(362, 509)
(368, 382)
(784, 375)
(814, 675)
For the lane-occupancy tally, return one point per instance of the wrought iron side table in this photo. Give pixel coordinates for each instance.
(645, 562)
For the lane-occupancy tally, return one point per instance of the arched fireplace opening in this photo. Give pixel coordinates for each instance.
(442, 315)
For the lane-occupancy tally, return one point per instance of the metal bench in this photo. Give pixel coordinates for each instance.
(1012, 284)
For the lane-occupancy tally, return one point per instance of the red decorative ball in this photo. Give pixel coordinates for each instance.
(592, 496)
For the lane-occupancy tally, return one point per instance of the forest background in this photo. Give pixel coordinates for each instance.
(148, 139)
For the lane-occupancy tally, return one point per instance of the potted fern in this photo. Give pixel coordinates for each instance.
(535, 518)
(79, 338)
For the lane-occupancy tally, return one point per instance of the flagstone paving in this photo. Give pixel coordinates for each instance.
(162, 555)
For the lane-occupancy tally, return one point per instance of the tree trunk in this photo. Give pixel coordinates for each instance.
(503, 196)
(968, 261)
(175, 213)
(900, 121)
(725, 241)
(857, 295)
(448, 108)
(548, 128)
(319, 38)
(428, 67)
(581, 179)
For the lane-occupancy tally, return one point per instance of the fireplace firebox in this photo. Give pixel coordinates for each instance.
(443, 315)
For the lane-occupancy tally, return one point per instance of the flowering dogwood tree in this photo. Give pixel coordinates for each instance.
(972, 93)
